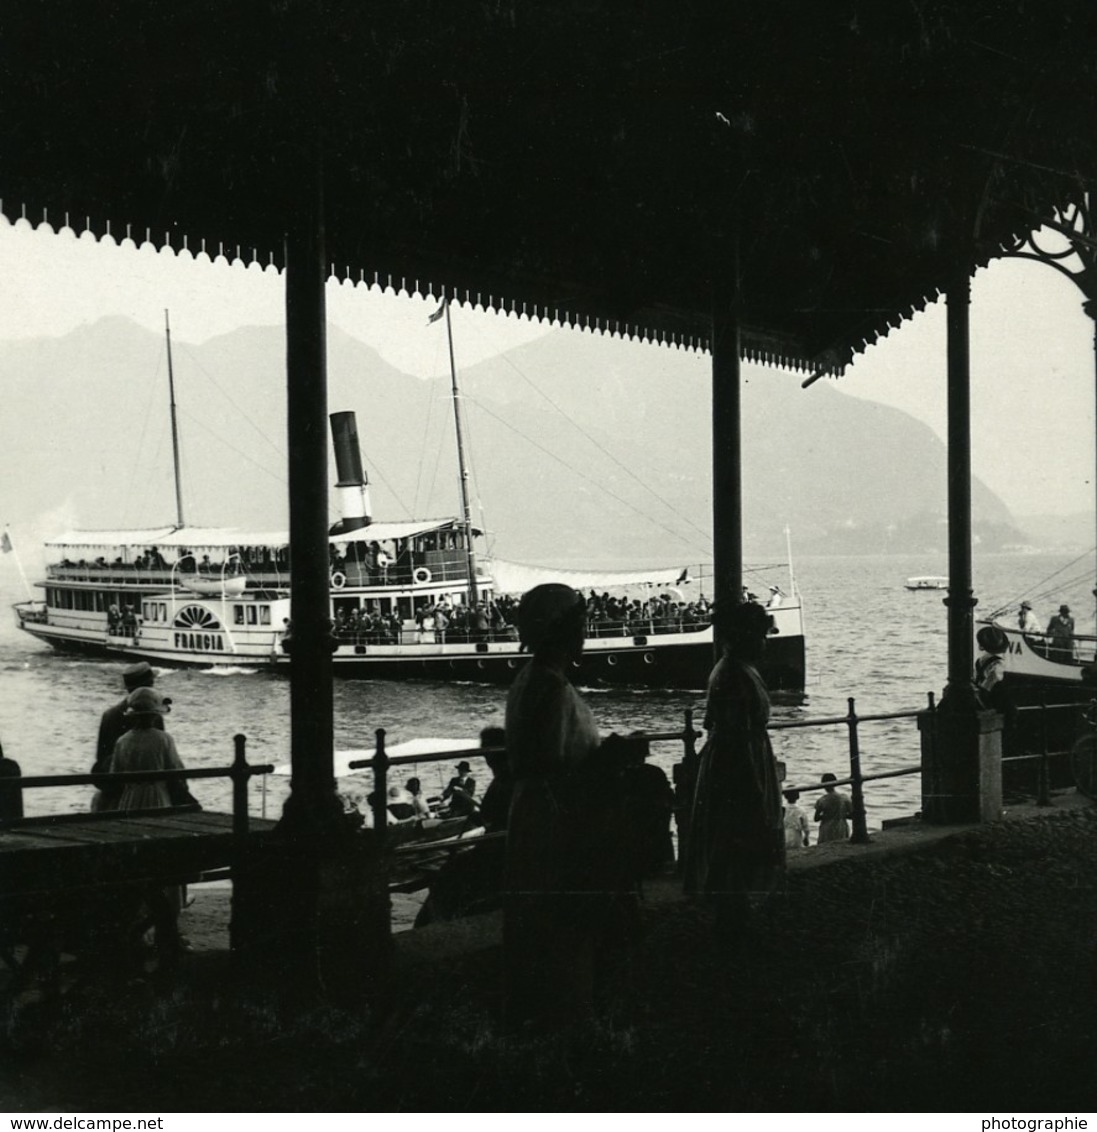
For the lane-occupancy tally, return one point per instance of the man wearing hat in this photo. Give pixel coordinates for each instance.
(459, 793)
(1027, 621)
(775, 597)
(113, 724)
(1060, 632)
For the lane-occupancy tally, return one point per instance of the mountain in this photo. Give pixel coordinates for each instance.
(584, 449)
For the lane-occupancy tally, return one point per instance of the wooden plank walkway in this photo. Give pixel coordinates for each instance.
(44, 857)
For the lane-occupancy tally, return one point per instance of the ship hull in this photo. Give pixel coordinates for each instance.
(679, 660)
(1036, 675)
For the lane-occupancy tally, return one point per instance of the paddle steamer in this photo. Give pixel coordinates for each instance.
(409, 599)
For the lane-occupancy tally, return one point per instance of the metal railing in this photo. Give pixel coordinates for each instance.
(241, 772)
(380, 762)
(857, 779)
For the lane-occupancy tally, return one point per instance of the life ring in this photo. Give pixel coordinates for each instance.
(338, 579)
(421, 575)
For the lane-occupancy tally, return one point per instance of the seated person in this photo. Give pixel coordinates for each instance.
(415, 790)
(458, 794)
(495, 807)
(401, 805)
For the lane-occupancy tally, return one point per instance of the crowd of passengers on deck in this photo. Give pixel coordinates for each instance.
(495, 620)
(187, 561)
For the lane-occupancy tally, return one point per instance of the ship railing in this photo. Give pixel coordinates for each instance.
(114, 574)
(125, 576)
(361, 574)
(417, 636)
(1038, 744)
(33, 612)
(644, 627)
(12, 786)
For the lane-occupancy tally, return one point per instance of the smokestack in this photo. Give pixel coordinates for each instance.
(353, 486)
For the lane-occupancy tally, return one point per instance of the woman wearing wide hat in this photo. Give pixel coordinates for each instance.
(145, 747)
(549, 934)
(736, 844)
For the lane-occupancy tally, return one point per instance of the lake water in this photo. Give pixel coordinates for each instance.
(867, 637)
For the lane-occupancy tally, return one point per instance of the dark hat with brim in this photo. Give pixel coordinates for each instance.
(463, 767)
(147, 701)
(991, 639)
(137, 674)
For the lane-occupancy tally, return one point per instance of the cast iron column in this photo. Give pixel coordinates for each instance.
(727, 497)
(960, 690)
(312, 803)
(1090, 307)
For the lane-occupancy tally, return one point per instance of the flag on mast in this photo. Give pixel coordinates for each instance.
(5, 543)
(438, 313)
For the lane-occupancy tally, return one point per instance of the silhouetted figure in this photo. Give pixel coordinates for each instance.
(146, 746)
(833, 811)
(990, 668)
(1060, 632)
(648, 804)
(736, 841)
(495, 807)
(797, 830)
(11, 793)
(459, 794)
(550, 928)
(113, 724)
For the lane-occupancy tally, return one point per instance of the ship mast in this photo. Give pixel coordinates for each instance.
(174, 428)
(472, 594)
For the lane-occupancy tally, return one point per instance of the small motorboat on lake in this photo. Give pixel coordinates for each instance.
(927, 582)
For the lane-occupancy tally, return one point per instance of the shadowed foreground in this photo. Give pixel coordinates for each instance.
(961, 976)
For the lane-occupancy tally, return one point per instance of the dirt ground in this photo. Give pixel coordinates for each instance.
(954, 974)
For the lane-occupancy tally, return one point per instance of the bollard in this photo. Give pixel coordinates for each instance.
(859, 835)
(690, 740)
(239, 778)
(380, 784)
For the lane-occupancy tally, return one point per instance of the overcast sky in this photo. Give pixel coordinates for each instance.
(1032, 347)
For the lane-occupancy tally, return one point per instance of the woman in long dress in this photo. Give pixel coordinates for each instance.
(736, 841)
(145, 747)
(833, 811)
(551, 902)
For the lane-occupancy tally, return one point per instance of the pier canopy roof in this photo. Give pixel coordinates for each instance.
(577, 160)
